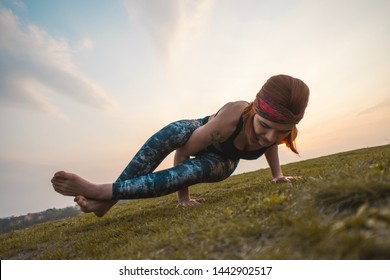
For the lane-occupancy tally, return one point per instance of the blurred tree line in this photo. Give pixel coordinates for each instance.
(21, 222)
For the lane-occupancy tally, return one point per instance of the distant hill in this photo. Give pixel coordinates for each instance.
(24, 221)
(339, 209)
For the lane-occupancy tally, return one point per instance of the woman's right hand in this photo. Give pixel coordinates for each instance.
(190, 202)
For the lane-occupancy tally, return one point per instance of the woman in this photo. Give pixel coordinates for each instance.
(207, 150)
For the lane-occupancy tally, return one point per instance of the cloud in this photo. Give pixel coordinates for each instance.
(19, 4)
(170, 24)
(35, 66)
(85, 44)
(384, 106)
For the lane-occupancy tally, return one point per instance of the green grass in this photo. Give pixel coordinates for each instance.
(340, 209)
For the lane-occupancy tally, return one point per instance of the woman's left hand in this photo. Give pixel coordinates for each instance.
(284, 179)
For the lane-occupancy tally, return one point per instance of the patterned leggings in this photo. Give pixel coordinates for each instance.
(139, 181)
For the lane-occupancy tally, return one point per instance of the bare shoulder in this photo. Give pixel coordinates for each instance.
(225, 122)
(231, 112)
(216, 130)
(236, 106)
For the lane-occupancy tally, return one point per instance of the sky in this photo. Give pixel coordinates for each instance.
(83, 84)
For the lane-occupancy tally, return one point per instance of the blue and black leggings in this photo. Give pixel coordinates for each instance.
(139, 181)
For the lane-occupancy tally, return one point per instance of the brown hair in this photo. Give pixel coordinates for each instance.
(288, 92)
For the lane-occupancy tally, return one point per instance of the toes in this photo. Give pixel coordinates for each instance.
(60, 175)
(58, 185)
(81, 201)
(58, 179)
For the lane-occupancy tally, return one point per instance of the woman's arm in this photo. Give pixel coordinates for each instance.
(183, 195)
(200, 139)
(217, 129)
(272, 157)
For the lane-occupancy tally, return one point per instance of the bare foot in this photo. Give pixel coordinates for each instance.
(70, 184)
(98, 207)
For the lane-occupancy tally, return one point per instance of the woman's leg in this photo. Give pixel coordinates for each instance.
(145, 161)
(205, 167)
(158, 147)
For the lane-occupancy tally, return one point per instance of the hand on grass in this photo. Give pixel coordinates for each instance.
(190, 202)
(284, 179)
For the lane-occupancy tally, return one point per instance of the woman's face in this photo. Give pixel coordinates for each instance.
(268, 133)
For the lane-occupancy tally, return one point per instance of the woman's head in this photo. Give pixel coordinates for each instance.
(282, 100)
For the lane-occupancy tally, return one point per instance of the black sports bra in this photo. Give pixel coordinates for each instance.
(230, 151)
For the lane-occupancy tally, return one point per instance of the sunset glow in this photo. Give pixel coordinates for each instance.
(84, 83)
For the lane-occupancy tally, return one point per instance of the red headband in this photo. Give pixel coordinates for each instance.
(267, 107)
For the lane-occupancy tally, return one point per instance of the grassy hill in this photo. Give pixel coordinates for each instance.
(340, 209)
